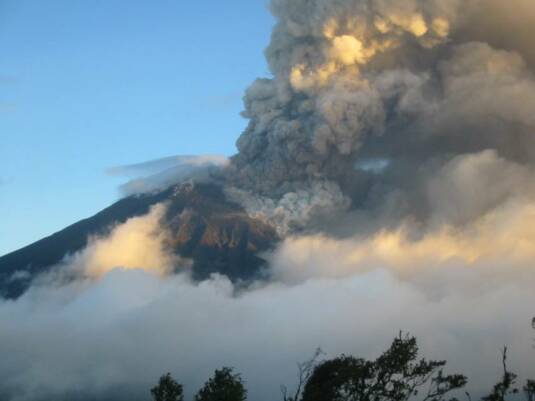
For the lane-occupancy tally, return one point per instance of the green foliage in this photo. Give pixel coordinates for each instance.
(223, 386)
(397, 375)
(167, 390)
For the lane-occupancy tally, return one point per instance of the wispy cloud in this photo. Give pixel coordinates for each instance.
(162, 173)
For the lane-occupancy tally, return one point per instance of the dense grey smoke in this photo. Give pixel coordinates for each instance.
(407, 85)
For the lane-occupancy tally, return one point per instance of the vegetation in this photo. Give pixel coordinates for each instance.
(399, 374)
(167, 390)
(506, 386)
(223, 386)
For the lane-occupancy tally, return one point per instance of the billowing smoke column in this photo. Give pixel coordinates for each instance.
(377, 97)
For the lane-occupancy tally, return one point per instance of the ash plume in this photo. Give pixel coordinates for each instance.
(412, 85)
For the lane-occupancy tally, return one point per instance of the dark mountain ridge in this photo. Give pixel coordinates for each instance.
(216, 234)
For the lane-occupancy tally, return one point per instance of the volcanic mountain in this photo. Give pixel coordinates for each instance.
(215, 233)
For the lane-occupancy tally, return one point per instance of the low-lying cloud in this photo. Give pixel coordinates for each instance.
(112, 330)
(139, 243)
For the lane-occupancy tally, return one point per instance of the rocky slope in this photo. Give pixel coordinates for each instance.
(217, 235)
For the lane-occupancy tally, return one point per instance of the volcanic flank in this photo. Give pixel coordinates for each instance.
(213, 234)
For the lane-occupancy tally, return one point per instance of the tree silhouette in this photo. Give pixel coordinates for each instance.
(305, 370)
(529, 390)
(167, 389)
(506, 386)
(397, 375)
(223, 386)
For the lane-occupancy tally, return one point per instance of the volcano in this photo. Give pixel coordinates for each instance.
(216, 234)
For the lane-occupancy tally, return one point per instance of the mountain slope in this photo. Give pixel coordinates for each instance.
(216, 234)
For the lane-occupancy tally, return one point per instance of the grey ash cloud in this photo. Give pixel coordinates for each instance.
(413, 83)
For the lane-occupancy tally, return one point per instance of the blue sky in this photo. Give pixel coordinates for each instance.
(90, 84)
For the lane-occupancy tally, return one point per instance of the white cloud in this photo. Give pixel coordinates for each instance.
(162, 173)
(464, 294)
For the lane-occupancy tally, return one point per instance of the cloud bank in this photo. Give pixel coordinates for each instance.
(111, 330)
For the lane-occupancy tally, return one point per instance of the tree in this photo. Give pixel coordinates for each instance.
(397, 375)
(167, 389)
(223, 386)
(305, 370)
(506, 386)
(529, 390)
